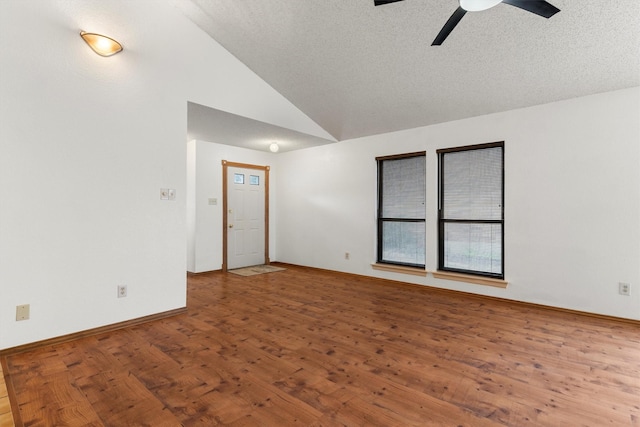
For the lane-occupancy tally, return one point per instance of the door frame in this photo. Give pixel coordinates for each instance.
(225, 209)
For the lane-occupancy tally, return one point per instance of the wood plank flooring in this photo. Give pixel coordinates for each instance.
(314, 348)
(6, 417)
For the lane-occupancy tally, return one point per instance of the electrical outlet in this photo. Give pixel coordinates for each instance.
(22, 312)
(624, 289)
(347, 255)
(122, 291)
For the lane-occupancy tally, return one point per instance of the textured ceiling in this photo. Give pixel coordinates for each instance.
(359, 70)
(209, 124)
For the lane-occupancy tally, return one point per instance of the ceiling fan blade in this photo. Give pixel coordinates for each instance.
(449, 26)
(381, 2)
(542, 8)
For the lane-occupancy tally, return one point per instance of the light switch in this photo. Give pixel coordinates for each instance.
(172, 193)
(164, 194)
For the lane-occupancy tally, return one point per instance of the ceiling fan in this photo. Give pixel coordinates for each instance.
(539, 7)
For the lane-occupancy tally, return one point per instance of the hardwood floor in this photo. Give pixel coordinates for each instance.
(6, 418)
(314, 348)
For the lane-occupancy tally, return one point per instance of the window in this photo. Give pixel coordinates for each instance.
(401, 209)
(471, 210)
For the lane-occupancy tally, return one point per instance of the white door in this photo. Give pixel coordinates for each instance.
(245, 217)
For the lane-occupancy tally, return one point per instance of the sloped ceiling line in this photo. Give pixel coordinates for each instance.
(358, 70)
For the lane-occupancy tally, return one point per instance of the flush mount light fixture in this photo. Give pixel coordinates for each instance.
(274, 147)
(478, 5)
(102, 45)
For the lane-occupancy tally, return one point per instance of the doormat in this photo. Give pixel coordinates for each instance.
(256, 269)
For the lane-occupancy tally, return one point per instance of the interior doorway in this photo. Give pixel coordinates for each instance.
(245, 218)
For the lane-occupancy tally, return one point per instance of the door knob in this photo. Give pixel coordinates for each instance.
(230, 225)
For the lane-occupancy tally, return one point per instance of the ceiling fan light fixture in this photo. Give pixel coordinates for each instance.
(102, 45)
(478, 5)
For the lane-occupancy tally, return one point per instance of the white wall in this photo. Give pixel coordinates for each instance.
(206, 238)
(87, 142)
(572, 202)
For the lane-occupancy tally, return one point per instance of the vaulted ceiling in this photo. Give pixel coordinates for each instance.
(359, 70)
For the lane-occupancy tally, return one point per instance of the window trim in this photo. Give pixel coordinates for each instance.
(475, 279)
(415, 271)
(442, 221)
(380, 220)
